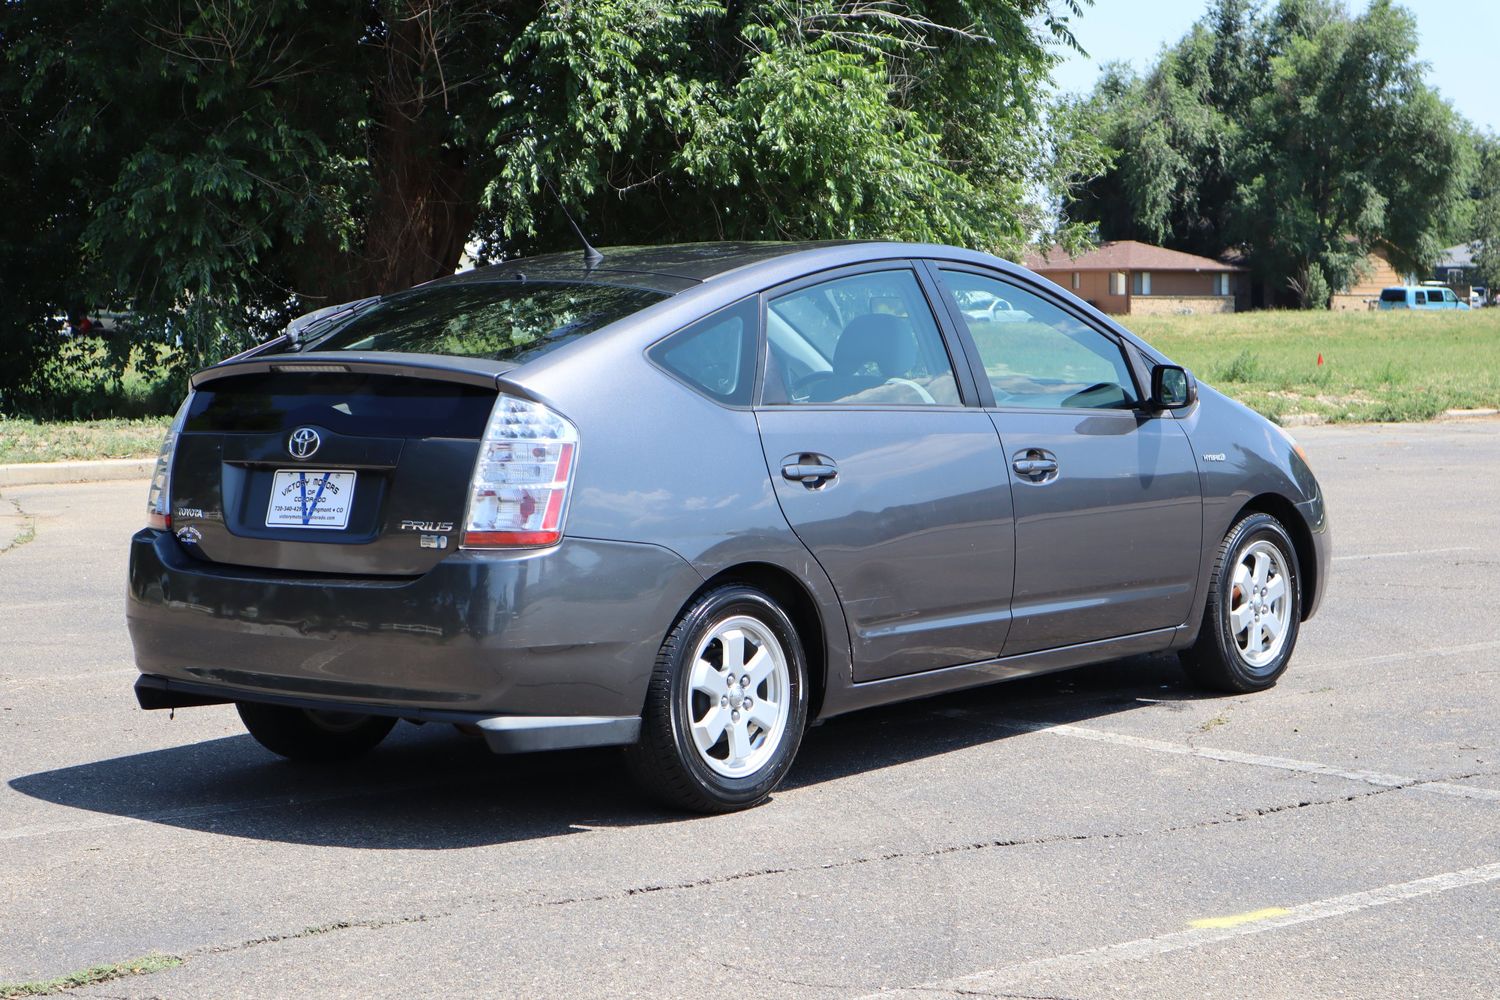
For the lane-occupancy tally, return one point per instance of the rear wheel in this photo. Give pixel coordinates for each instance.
(726, 706)
(1254, 610)
(306, 734)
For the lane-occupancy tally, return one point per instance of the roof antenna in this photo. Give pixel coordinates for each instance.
(592, 258)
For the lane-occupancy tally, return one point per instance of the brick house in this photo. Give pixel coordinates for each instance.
(1129, 277)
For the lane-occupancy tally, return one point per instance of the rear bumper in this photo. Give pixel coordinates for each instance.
(503, 733)
(499, 640)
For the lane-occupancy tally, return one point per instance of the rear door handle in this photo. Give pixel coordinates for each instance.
(1035, 465)
(810, 470)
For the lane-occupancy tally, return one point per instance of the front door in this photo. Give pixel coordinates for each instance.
(898, 489)
(1107, 499)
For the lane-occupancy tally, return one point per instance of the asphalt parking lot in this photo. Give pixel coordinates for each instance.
(1102, 833)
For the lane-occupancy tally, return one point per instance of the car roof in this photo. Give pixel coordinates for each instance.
(669, 268)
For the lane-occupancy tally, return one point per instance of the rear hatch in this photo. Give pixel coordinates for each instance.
(358, 468)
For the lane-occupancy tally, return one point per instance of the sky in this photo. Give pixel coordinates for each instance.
(1460, 42)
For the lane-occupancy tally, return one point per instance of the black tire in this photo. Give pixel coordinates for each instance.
(667, 763)
(306, 735)
(1217, 660)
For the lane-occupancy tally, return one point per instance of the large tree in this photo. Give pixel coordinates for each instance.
(215, 165)
(1302, 135)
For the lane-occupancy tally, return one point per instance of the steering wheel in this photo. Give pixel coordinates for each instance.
(919, 390)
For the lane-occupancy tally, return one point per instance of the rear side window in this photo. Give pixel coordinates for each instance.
(1393, 295)
(864, 339)
(506, 321)
(1421, 298)
(715, 355)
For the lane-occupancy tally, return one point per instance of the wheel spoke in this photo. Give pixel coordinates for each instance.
(1275, 590)
(733, 641)
(759, 668)
(1254, 640)
(1273, 626)
(763, 713)
(1241, 617)
(739, 741)
(1262, 569)
(706, 731)
(706, 678)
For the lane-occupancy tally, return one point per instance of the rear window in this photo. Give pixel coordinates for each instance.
(345, 403)
(1393, 295)
(512, 321)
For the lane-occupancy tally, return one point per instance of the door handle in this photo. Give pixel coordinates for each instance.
(1035, 465)
(811, 471)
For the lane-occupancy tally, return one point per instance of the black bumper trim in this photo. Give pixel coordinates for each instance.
(503, 733)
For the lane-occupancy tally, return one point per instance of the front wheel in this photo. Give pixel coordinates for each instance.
(305, 734)
(1254, 609)
(726, 705)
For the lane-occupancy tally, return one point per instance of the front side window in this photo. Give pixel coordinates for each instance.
(863, 339)
(1048, 359)
(503, 320)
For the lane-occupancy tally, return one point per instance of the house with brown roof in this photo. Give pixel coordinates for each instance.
(1129, 277)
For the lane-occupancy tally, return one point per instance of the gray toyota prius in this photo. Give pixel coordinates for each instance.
(688, 499)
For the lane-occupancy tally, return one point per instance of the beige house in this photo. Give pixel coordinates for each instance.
(1128, 277)
(1375, 273)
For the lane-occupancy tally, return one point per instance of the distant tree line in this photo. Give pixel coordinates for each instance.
(1297, 135)
(210, 168)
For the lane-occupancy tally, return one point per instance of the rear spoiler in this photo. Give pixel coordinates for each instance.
(432, 367)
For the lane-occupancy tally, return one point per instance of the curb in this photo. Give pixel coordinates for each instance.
(47, 473)
(1470, 414)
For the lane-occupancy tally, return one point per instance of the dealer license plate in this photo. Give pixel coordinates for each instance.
(308, 498)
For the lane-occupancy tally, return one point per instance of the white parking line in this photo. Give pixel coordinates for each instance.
(1377, 778)
(1471, 647)
(992, 981)
(1408, 552)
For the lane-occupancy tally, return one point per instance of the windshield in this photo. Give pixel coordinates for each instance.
(506, 321)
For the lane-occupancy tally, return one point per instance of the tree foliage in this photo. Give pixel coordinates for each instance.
(1301, 135)
(213, 166)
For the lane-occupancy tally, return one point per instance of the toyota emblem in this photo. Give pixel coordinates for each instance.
(303, 442)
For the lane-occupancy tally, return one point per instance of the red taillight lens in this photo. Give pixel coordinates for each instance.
(158, 500)
(519, 493)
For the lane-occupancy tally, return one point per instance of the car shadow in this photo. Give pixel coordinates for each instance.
(431, 788)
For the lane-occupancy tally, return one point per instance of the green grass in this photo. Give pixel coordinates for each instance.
(62, 441)
(90, 976)
(1377, 366)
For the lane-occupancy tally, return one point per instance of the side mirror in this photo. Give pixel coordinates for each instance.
(1172, 388)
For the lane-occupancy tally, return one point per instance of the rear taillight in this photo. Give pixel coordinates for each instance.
(158, 500)
(519, 494)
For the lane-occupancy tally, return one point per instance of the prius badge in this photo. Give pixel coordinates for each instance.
(303, 442)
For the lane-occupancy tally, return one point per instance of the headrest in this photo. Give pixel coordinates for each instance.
(880, 339)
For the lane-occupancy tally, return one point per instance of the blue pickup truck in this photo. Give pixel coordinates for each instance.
(1420, 297)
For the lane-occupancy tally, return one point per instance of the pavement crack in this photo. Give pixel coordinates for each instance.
(16, 529)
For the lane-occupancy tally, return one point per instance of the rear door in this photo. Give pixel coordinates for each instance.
(1108, 506)
(897, 487)
(352, 469)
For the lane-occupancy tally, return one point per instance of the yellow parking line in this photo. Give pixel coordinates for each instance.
(1240, 918)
